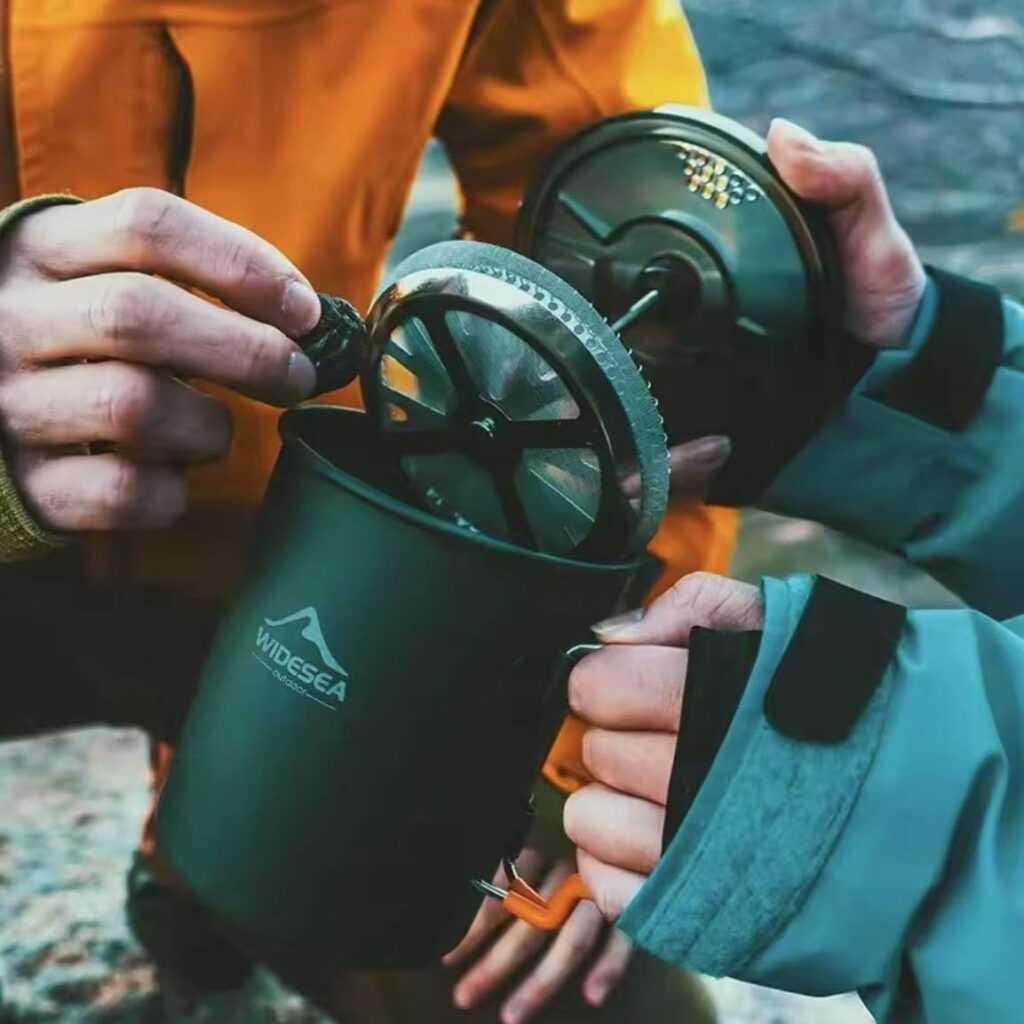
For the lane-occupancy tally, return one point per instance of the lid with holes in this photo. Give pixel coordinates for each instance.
(684, 204)
(511, 407)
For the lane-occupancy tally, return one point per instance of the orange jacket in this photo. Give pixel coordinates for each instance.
(305, 121)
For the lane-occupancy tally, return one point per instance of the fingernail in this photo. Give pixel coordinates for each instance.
(597, 992)
(512, 1013)
(301, 375)
(798, 132)
(617, 622)
(463, 998)
(714, 449)
(300, 309)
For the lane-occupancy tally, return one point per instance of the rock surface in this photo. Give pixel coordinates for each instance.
(936, 87)
(71, 807)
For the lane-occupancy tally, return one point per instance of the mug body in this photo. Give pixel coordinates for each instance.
(373, 713)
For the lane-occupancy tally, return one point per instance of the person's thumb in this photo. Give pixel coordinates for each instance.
(700, 599)
(836, 174)
(883, 276)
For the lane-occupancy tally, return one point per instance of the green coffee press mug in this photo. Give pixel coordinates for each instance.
(389, 676)
(373, 713)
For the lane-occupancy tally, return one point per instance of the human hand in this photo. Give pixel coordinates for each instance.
(882, 274)
(555, 957)
(631, 695)
(883, 277)
(96, 330)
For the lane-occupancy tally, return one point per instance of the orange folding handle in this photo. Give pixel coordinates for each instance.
(547, 914)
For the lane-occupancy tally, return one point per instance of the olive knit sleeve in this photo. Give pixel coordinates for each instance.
(21, 536)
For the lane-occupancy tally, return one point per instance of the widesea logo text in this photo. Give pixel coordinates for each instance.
(301, 659)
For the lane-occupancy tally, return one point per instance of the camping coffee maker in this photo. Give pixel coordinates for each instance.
(391, 670)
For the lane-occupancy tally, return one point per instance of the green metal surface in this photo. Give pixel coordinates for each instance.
(684, 201)
(373, 713)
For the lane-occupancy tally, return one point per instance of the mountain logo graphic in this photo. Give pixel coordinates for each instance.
(320, 678)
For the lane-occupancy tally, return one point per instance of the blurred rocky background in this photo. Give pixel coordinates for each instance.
(936, 87)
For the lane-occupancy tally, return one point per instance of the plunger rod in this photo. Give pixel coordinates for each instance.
(637, 310)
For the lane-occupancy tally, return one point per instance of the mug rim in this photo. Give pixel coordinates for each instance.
(353, 484)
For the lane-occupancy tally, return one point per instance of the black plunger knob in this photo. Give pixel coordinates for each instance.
(338, 345)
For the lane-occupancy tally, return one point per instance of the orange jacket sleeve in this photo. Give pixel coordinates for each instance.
(535, 71)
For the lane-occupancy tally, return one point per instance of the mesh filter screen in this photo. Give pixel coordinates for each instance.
(558, 489)
(516, 377)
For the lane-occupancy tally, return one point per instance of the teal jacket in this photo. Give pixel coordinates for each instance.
(891, 862)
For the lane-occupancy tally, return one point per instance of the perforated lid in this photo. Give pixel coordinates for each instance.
(684, 202)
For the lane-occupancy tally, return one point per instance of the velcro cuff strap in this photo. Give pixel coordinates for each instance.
(716, 677)
(835, 660)
(945, 384)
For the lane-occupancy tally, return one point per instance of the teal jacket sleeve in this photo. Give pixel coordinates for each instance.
(892, 862)
(889, 860)
(950, 500)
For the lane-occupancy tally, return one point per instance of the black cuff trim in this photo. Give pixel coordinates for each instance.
(770, 410)
(716, 676)
(835, 659)
(946, 382)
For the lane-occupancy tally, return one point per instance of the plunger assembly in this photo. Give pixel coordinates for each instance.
(508, 404)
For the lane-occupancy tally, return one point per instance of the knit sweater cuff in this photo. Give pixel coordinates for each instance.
(21, 537)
